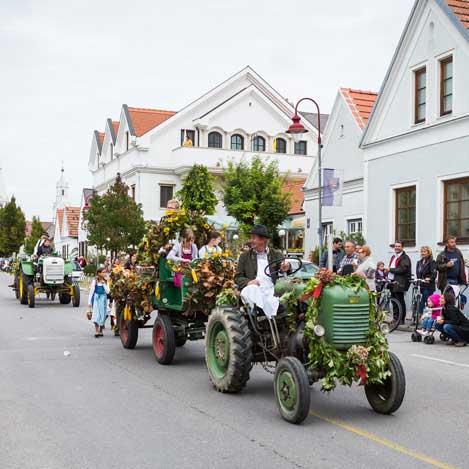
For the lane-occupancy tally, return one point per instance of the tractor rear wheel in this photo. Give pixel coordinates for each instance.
(24, 281)
(16, 284)
(164, 339)
(76, 296)
(65, 298)
(386, 398)
(31, 296)
(128, 332)
(292, 392)
(228, 349)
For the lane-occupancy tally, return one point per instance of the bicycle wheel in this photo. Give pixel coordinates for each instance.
(392, 312)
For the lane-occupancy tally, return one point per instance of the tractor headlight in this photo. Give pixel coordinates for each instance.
(384, 328)
(319, 330)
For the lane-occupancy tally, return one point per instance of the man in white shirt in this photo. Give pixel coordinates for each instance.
(257, 288)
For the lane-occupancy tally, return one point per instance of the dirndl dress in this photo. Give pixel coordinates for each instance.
(99, 305)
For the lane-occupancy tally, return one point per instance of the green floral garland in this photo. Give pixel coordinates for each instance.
(344, 367)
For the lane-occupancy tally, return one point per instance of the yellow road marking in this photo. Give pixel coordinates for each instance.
(382, 441)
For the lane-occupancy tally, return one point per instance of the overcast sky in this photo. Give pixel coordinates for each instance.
(67, 65)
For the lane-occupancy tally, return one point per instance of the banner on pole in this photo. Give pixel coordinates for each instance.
(332, 187)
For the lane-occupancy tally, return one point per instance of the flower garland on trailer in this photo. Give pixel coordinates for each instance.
(210, 277)
(365, 364)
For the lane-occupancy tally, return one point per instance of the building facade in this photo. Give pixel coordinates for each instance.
(341, 153)
(153, 150)
(416, 144)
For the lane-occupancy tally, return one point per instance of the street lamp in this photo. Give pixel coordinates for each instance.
(297, 129)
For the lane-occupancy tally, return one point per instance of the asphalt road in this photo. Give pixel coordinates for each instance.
(106, 407)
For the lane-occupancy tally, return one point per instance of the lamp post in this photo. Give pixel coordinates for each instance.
(297, 129)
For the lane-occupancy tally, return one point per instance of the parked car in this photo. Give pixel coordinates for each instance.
(308, 270)
(77, 272)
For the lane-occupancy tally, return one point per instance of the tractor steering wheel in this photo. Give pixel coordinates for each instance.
(271, 273)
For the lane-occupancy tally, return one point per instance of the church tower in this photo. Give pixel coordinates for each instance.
(61, 194)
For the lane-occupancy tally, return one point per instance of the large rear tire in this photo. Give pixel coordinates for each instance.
(386, 398)
(228, 349)
(25, 280)
(31, 296)
(76, 296)
(164, 339)
(292, 392)
(128, 332)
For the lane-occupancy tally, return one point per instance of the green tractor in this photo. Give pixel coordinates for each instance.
(325, 330)
(51, 275)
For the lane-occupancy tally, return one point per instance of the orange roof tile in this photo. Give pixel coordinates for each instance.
(116, 126)
(73, 216)
(144, 120)
(461, 10)
(297, 197)
(360, 103)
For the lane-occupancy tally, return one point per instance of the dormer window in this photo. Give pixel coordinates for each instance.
(215, 140)
(446, 86)
(420, 98)
(258, 144)
(280, 145)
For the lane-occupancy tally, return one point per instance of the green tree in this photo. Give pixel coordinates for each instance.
(114, 221)
(12, 228)
(32, 239)
(253, 193)
(197, 191)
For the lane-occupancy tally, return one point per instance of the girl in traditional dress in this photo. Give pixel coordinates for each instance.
(212, 246)
(183, 253)
(97, 301)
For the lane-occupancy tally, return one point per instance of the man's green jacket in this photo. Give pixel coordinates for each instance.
(247, 266)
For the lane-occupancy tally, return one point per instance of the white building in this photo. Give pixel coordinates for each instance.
(241, 117)
(66, 219)
(416, 143)
(342, 153)
(83, 249)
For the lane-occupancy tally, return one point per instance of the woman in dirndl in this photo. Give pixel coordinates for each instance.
(97, 301)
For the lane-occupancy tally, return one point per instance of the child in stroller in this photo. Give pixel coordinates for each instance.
(430, 314)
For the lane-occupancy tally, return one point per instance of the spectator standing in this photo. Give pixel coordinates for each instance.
(400, 271)
(349, 262)
(426, 270)
(367, 266)
(337, 255)
(450, 265)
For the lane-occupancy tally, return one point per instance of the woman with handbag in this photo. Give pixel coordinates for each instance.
(97, 302)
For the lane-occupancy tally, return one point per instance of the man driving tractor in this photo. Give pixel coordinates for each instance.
(257, 285)
(45, 249)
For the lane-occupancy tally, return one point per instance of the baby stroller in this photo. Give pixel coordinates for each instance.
(460, 302)
(428, 336)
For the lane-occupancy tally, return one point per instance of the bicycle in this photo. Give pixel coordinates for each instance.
(417, 296)
(388, 305)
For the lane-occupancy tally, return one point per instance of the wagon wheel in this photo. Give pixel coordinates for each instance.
(128, 332)
(228, 349)
(164, 339)
(387, 397)
(292, 392)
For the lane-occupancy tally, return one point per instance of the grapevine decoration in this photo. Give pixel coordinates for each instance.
(362, 364)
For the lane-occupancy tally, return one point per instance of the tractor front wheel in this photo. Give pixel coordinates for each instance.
(76, 296)
(164, 339)
(228, 349)
(387, 397)
(31, 296)
(292, 392)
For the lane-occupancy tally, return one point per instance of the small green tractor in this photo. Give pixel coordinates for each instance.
(51, 275)
(300, 348)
